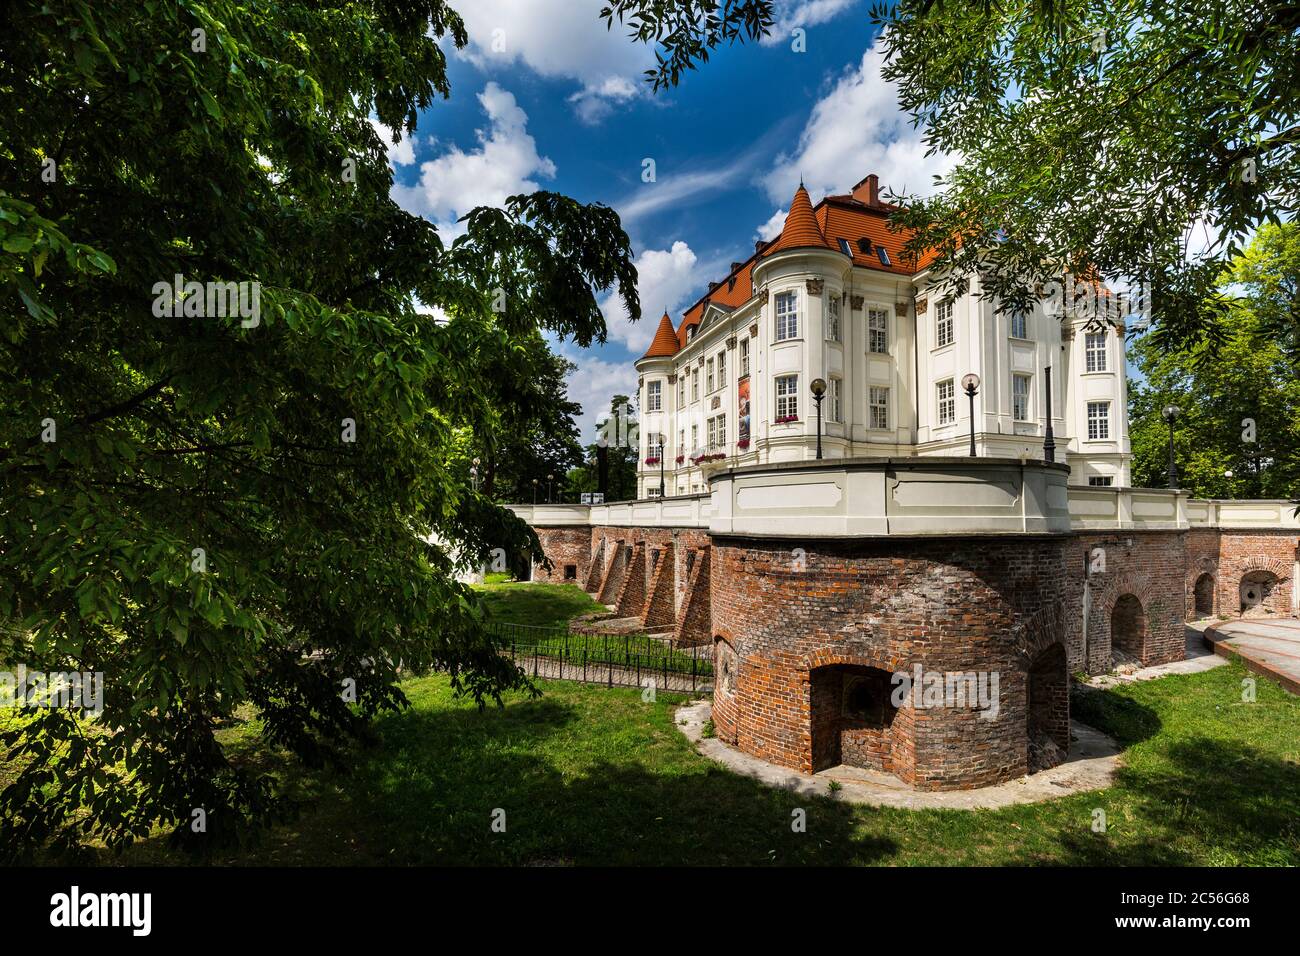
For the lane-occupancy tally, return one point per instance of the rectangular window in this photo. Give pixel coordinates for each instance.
(1100, 481)
(787, 316)
(1018, 325)
(681, 389)
(1098, 420)
(717, 432)
(744, 357)
(652, 491)
(833, 318)
(681, 442)
(877, 330)
(947, 403)
(787, 397)
(1020, 397)
(654, 399)
(709, 383)
(1095, 350)
(835, 400)
(943, 324)
(883, 255)
(695, 384)
(722, 369)
(878, 407)
(654, 447)
(695, 438)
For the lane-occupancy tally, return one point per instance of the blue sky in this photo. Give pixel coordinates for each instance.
(545, 98)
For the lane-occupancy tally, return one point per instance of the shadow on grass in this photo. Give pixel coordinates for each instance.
(441, 778)
(1205, 802)
(1120, 717)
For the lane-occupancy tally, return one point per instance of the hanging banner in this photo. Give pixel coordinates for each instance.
(742, 393)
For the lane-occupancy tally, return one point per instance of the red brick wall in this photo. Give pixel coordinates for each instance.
(564, 546)
(659, 611)
(989, 605)
(1202, 557)
(617, 551)
(1241, 553)
(694, 624)
(1151, 566)
(631, 596)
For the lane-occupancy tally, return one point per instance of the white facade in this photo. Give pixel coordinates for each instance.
(894, 374)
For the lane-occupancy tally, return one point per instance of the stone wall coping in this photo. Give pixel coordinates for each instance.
(918, 496)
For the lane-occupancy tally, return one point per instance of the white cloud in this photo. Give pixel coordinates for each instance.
(772, 228)
(399, 154)
(667, 280)
(594, 103)
(560, 39)
(791, 14)
(502, 166)
(855, 129)
(593, 383)
(672, 189)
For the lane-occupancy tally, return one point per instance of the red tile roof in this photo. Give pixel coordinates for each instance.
(802, 228)
(665, 341)
(860, 214)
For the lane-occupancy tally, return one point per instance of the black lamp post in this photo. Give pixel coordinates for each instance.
(970, 384)
(1049, 440)
(534, 491)
(550, 480)
(819, 392)
(662, 447)
(1170, 415)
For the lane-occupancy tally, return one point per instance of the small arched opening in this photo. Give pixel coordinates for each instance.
(1203, 595)
(1048, 731)
(1128, 631)
(852, 717)
(1256, 589)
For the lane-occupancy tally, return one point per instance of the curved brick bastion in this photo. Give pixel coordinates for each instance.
(984, 581)
(808, 646)
(919, 632)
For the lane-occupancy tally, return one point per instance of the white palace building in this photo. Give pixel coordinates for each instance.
(834, 298)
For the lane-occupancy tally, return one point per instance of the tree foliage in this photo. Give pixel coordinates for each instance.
(1239, 432)
(1141, 139)
(537, 434)
(181, 505)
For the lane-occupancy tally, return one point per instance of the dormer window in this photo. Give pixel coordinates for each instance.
(864, 246)
(844, 247)
(883, 255)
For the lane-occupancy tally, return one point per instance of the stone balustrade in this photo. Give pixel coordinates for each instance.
(914, 496)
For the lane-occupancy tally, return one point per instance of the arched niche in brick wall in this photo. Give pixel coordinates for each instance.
(1128, 630)
(1048, 709)
(1203, 595)
(852, 717)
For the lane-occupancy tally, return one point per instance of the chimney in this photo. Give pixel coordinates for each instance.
(868, 191)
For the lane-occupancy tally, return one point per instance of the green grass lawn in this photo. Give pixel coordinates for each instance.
(589, 775)
(535, 603)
